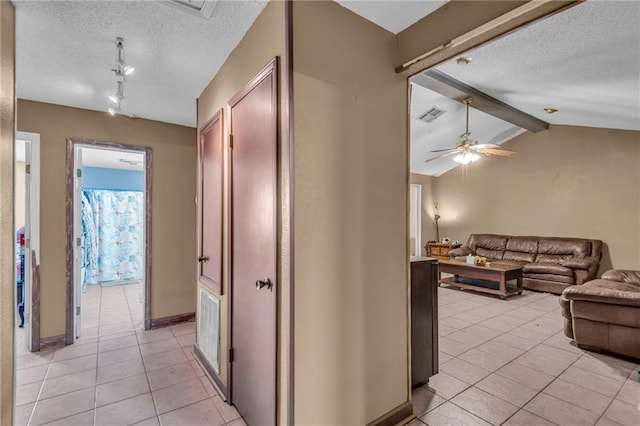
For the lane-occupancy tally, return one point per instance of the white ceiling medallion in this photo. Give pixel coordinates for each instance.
(200, 8)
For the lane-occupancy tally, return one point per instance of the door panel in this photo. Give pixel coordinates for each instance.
(254, 245)
(211, 203)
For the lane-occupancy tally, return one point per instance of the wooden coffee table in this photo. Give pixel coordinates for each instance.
(488, 279)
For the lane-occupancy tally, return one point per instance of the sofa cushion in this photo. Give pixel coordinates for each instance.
(625, 276)
(522, 244)
(489, 254)
(613, 285)
(488, 245)
(547, 268)
(517, 256)
(605, 291)
(581, 262)
(550, 277)
(557, 250)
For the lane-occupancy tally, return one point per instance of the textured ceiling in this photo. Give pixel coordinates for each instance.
(66, 49)
(392, 15)
(110, 159)
(585, 62)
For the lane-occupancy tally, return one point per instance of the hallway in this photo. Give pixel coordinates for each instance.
(119, 378)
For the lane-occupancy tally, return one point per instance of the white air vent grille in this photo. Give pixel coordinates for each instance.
(201, 8)
(209, 328)
(432, 114)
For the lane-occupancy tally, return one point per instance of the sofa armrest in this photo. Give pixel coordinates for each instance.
(602, 295)
(581, 262)
(460, 251)
(623, 276)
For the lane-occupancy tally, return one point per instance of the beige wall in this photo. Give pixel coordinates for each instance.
(7, 259)
(173, 224)
(20, 194)
(567, 181)
(428, 197)
(264, 41)
(351, 243)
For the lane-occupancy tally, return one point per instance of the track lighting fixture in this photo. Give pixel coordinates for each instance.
(121, 70)
(117, 97)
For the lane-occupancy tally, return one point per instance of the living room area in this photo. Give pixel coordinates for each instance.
(525, 164)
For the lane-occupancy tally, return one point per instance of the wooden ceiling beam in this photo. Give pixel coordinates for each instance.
(434, 39)
(455, 89)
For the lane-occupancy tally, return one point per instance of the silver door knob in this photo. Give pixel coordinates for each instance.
(266, 282)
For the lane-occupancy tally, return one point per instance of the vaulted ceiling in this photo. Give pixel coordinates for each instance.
(584, 61)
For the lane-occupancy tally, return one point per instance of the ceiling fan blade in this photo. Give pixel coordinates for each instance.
(486, 145)
(496, 151)
(442, 156)
(444, 150)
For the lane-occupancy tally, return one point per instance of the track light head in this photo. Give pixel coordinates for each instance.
(124, 69)
(117, 97)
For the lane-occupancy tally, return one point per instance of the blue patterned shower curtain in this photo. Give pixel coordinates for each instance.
(113, 236)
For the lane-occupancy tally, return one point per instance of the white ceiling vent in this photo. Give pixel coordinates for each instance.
(432, 114)
(201, 8)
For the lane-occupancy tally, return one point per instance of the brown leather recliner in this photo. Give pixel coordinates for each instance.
(604, 314)
(548, 263)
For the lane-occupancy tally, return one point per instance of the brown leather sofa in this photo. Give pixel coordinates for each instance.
(604, 314)
(549, 264)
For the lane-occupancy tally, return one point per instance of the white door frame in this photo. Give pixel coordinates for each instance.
(32, 237)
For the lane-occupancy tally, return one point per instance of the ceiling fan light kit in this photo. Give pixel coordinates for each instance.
(468, 150)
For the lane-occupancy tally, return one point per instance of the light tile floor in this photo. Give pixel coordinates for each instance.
(111, 309)
(501, 362)
(117, 375)
(508, 362)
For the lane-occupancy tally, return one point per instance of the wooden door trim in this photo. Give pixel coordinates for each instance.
(288, 201)
(271, 67)
(148, 177)
(269, 71)
(218, 117)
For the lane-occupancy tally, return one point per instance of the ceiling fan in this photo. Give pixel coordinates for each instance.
(469, 150)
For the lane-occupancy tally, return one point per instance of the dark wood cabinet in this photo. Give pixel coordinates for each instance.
(424, 320)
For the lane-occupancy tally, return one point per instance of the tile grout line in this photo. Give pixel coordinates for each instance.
(491, 372)
(493, 338)
(95, 390)
(615, 396)
(513, 360)
(146, 374)
(35, 404)
(556, 377)
(546, 386)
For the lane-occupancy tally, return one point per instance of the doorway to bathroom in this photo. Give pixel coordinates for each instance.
(109, 186)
